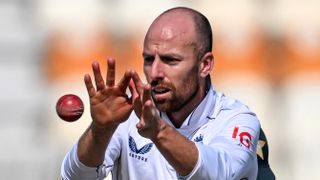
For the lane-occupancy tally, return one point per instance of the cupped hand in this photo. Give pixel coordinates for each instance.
(109, 103)
(150, 123)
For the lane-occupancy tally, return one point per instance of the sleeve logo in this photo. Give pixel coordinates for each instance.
(245, 137)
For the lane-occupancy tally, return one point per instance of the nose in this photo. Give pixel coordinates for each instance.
(157, 69)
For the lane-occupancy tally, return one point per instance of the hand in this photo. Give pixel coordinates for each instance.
(150, 123)
(137, 89)
(109, 103)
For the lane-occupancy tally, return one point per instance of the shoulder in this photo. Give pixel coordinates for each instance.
(233, 110)
(233, 119)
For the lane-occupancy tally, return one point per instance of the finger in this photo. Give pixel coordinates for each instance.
(89, 85)
(111, 72)
(148, 114)
(149, 110)
(97, 76)
(133, 90)
(135, 99)
(124, 82)
(146, 93)
(140, 125)
(138, 83)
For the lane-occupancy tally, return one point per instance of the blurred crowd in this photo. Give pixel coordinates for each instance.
(267, 55)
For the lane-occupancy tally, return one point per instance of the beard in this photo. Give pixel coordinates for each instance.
(181, 93)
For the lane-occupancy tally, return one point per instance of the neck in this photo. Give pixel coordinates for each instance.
(177, 118)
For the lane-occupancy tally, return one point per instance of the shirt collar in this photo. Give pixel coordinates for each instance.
(198, 117)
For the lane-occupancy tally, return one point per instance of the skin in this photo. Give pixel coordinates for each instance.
(176, 85)
(171, 64)
(109, 106)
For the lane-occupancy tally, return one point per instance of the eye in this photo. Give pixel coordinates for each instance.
(170, 60)
(148, 60)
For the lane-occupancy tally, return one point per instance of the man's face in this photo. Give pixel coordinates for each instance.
(170, 64)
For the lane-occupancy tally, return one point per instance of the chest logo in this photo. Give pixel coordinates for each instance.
(143, 150)
(198, 138)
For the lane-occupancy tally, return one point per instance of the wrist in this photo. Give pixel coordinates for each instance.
(102, 132)
(93, 143)
(162, 132)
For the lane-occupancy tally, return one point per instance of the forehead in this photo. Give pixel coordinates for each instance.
(166, 33)
(174, 25)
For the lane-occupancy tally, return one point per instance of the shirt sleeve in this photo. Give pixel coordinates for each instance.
(73, 169)
(231, 154)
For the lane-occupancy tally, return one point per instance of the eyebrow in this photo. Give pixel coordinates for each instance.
(164, 55)
(145, 54)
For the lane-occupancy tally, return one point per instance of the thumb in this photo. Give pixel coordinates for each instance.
(141, 124)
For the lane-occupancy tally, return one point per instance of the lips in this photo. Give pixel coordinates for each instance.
(160, 90)
(160, 93)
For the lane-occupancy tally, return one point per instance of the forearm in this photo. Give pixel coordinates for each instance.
(92, 145)
(175, 148)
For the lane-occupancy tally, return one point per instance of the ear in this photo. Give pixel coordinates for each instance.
(207, 63)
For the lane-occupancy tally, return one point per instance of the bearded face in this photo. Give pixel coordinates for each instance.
(170, 95)
(172, 65)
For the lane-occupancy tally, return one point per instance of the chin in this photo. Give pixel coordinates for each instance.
(163, 106)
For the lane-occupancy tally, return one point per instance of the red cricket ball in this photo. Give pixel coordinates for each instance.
(69, 107)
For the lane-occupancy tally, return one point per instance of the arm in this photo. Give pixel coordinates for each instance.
(226, 156)
(180, 152)
(230, 154)
(109, 106)
(172, 145)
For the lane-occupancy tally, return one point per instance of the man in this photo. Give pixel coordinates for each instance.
(181, 128)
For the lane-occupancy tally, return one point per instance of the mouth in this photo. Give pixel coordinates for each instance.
(160, 93)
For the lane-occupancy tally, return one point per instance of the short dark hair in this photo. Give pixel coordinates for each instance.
(202, 27)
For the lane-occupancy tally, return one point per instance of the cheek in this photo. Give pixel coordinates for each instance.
(185, 88)
(185, 81)
(146, 72)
